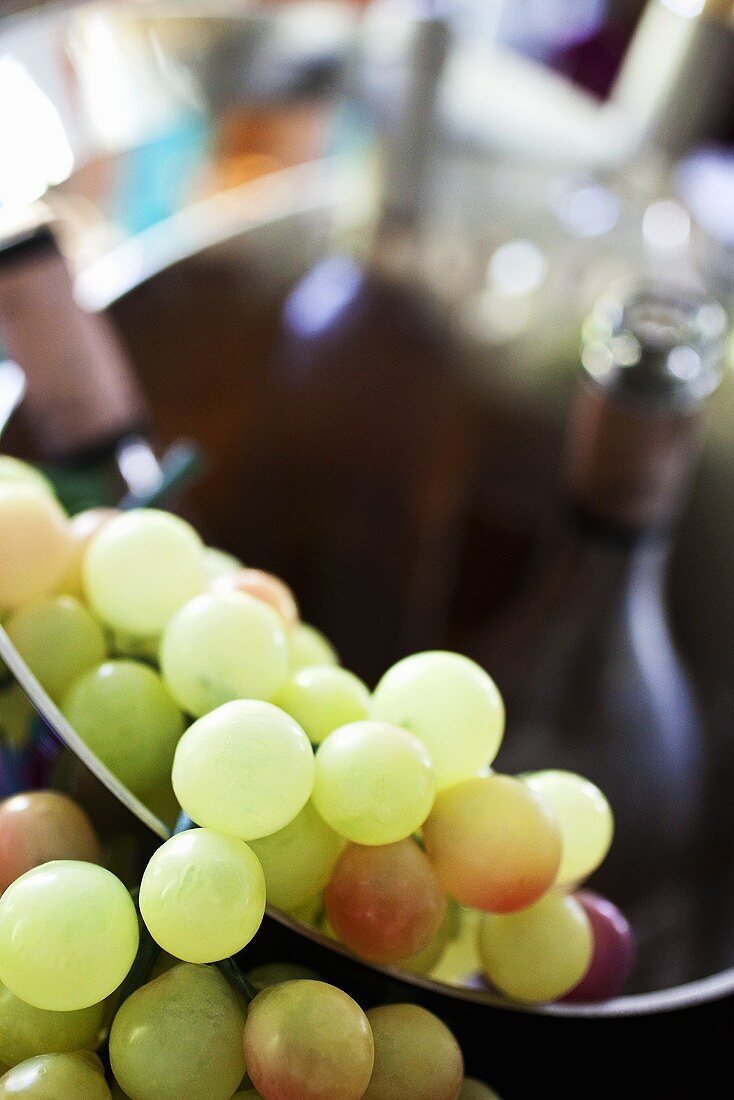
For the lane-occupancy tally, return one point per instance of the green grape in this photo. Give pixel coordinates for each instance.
(223, 646)
(275, 973)
(15, 472)
(39, 826)
(82, 529)
(472, 1089)
(124, 712)
(35, 544)
(56, 1076)
(179, 1036)
(384, 902)
(217, 563)
(539, 953)
(323, 697)
(494, 843)
(374, 782)
(584, 818)
(26, 1031)
(416, 1056)
(140, 568)
(298, 860)
(59, 640)
(202, 895)
(247, 769)
(68, 935)
(16, 715)
(451, 704)
(308, 1040)
(308, 646)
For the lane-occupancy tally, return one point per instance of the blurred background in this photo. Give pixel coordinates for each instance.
(349, 249)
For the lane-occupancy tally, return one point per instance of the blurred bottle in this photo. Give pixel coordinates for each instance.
(584, 655)
(83, 411)
(356, 476)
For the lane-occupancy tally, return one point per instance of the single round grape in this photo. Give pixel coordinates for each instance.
(416, 1056)
(539, 953)
(451, 704)
(298, 860)
(202, 895)
(39, 826)
(218, 563)
(494, 844)
(472, 1089)
(262, 586)
(16, 715)
(223, 646)
(308, 1040)
(26, 1031)
(124, 712)
(68, 935)
(614, 951)
(140, 568)
(59, 640)
(384, 903)
(584, 818)
(308, 646)
(275, 973)
(374, 782)
(179, 1036)
(35, 544)
(56, 1076)
(82, 529)
(322, 698)
(247, 769)
(15, 472)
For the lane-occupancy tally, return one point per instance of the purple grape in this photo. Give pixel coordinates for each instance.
(614, 951)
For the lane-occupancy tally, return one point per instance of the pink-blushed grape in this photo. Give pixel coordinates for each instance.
(384, 902)
(494, 844)
(263, 586)
(39, 826)
(308, 1040)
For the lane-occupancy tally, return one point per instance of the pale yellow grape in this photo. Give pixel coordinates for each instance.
(584, 818)
(298, 860)
(472, 1089)
(68, 935)
(140, 568)
(451, 704)
(460, 960)
(124, 712)
(59, 640)
(202, 895)
(374, 782)
(35, 545)
(82, 529)
(540, 953)
(57, 1077)
(26, 1031)
(15, 472)
(223, 646)
(218, 563)
(323, 697)
(308, 646)
(247, 769)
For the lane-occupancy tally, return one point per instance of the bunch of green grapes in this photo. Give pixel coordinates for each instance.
(375, 815)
